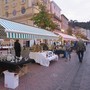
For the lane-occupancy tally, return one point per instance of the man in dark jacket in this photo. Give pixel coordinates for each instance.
(17, 48)
(80, 48)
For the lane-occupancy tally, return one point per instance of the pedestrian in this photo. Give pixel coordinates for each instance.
(74, 46)
(17, 48)
(68, 50)
(80, 49)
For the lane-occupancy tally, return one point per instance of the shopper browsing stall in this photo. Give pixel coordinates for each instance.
(17, 48)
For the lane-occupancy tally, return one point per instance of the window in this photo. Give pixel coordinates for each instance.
(45, 1)
(6, 14)
(14, 12)
(23, 10)
(6, 1)
(6, 7)
(23, 1)
(14, 4)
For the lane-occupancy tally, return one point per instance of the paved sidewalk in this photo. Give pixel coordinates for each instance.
(60, 75)
(82, 78)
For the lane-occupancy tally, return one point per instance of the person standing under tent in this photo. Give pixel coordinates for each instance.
(17, 48)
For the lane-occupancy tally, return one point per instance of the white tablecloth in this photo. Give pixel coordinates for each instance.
(42, 58)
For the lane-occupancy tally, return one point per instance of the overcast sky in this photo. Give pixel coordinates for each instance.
(75, 9)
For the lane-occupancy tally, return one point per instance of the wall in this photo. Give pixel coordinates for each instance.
(64, 23)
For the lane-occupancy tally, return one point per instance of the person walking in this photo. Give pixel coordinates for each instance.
(17, 48)
(68, 50)
(80, 49)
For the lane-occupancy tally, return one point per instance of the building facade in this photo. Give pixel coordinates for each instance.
(88, 34)
(21, 11)
(64, 23)
(56, 11)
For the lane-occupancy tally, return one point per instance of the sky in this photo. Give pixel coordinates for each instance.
(75, 9)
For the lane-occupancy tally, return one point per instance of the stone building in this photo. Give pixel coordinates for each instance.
(56, 11)
(64, 23)
(21, 10)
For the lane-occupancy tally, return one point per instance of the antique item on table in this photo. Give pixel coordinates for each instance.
(3, 57)
(36, 48)
(18, 59)
(10, 57)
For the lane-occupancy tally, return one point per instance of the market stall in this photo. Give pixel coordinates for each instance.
(13, 30)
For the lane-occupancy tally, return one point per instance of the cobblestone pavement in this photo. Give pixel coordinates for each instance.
(60, 75)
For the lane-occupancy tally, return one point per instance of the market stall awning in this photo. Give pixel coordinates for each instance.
(21, 31)
(2, 32)
(65, 36)
(85, 40)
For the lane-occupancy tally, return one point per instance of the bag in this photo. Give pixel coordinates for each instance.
(81, 48)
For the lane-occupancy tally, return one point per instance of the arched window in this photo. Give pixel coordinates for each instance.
(23, 10)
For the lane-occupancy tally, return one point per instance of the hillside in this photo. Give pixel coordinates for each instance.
(85, 25)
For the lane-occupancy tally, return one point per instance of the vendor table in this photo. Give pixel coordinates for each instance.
(13, 65)
(58, 52)
(43, 58)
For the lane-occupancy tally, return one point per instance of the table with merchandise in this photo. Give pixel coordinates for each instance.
(43, 58)
(13, 65)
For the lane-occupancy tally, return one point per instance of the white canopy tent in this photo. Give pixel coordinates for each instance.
(85, 40)
(65, 36)
(15, 30)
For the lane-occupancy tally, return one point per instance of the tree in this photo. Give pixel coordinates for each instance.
(81, 35)
(43, 19)
(85, 25)
(69, 31)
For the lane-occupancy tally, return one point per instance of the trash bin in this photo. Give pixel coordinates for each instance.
(11, 80)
